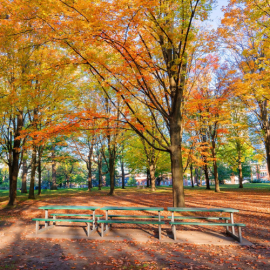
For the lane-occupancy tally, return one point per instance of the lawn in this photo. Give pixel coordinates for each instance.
(19, 252)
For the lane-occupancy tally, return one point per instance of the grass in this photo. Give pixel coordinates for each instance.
(160, 189)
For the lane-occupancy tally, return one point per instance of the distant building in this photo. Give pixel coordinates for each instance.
(259, 171)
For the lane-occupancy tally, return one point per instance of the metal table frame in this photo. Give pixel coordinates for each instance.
(116, 208)
(219, 210)
(68, 207)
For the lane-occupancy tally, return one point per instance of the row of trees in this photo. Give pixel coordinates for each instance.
(101, 73)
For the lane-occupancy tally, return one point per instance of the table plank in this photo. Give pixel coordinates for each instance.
(68, 207)
(132, 208)
(186, 209)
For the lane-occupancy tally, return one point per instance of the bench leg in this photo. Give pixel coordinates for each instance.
(46, 216)
(174, 232)
(233, 230)
(54, 217)
(227, 227)
(88, 229)
(37, 226)
(240, 234)
(159, 232)
(102, 229)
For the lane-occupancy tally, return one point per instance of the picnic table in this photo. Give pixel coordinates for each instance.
(126, 219)
(231, 211)
(93, 216)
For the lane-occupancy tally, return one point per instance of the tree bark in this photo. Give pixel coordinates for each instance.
(14, 163)
(54, 185)
(39, 170)
(99, 175)
(148, 178)
(123, 174)
(205, 168)
(240, 171)
(24, 176)
(176, 164)
(191, 175)
(217, 189)
(152, 170)
(112, 171)
(265, 125)
(33, 173)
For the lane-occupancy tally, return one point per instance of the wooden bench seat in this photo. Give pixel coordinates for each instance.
(88, 221)
(123, 221)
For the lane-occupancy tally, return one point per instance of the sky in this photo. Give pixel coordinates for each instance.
(217, 14)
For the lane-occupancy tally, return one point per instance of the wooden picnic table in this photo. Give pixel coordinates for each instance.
(136, 218)
(231, 211)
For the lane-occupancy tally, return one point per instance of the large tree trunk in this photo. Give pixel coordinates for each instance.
(24, 176)
(217, 189)
(191, 175)
(240, 171)
(177, 165)
(205, 168)
(152, 170)
(89, 178)
(54, 185)
(265, 124)
(123, 174)
(14, 163)
(148, 178)
(33, 173)
(112, 171)
(39, 170)
(213, 150)
(99, 175)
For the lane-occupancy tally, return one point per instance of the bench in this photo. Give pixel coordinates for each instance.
(239, 225)
(219, 210)
(155, 222)
(75, 215)
(87, 221)
(131, 216)
(72, 208)
(192, 217)
(135, 220)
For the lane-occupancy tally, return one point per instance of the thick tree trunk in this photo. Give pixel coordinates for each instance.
(152, 170)
(267, 147)
(240, 172)
(205, 168)
(111, 171)
(14, 162)
(217, 189)
(89, 178)
(68, 182)
(148, 178)
(99, 176)
(14, 177)
(265, 120)
(198, 177)
(177, 165)
(24, 176)
(33, 173)
(191, 175)
(123, 174)
(54, 185)
(39, 171)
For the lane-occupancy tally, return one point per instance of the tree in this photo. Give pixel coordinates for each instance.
(249, 20)
(145, 61)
